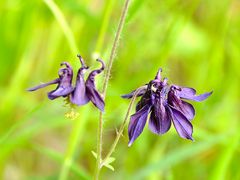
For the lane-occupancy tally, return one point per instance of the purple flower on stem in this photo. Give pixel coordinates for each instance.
(83, 92)
(165, 104)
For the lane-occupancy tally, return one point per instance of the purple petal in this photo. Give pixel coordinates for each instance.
(91, 91)
(159, 122)
(95, 97)
(79, 95)
(68, 67)
(147, 99)
(137, 123)
(158, 75)
(182, 125)
(190, 94)
(185, 108)
(64, 87)
(82, 62)
(140, 93)
(55, 81)
(198, 98)
(60, 91)
(185, 91)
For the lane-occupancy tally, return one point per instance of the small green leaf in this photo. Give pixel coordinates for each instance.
(94, 154)
(107, 163)
(109, 166)
(109, 160)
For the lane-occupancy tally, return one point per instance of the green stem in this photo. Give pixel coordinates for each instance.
(121, 129)
(99, 147)
(115, 45)
(105, 84)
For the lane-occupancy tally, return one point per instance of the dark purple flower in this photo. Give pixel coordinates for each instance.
(165, 105)
(83, 92)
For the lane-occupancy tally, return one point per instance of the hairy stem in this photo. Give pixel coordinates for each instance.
(105, 84)
(115, 45)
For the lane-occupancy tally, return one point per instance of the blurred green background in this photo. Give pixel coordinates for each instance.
(197, 44)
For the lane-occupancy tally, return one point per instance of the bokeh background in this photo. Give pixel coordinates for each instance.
(197, 44)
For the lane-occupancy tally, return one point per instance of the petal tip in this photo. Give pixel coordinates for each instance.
(30, 89)
(100, 106)
(130, 143)
(190, 138)
(126, 96)
(206, 95)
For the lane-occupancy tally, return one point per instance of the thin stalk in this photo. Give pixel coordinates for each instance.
(99, 147)
(115, 45)
(121, 129)
(105, 84)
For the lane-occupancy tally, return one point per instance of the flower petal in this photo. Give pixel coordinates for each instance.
(185, 91)
(141, 91)
(146, 99)
(198, 98)
(137, 123)
(182, 125)
(185, 108)
(92, 93)
(79, 95)
(55, 81)
(96, 98)
(68, 67)
(158, 75)
(60, 91)
(64, 87)
(159, 122)
(190, 94)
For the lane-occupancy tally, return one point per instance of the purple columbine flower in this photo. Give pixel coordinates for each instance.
(165, 104)
(83, 92)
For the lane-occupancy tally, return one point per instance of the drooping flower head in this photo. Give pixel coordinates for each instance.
(83, 92)
(165, 104)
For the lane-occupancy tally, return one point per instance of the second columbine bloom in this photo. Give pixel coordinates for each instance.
(165, 104)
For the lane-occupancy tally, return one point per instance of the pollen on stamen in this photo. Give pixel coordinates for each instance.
(72, 114)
